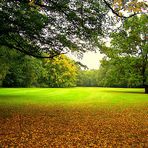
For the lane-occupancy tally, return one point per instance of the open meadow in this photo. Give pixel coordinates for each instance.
(73, 117)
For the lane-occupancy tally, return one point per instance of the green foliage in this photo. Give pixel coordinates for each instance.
(132, 39)
(62, 72)
(126, 61)
(20, 70)
(120, 72)
(52, 27)
(4, 63)
(126, 64)
(88, 78)
(21, 27)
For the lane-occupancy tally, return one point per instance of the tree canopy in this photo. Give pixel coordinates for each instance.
(126, 60)
(34, 29)
(43, 28)
(129, 50)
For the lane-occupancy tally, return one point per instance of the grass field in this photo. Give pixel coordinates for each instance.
(73, 117)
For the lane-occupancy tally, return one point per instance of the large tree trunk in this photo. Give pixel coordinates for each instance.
(146, 89)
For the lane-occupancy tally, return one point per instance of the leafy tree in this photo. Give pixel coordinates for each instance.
(120, 72)
(43, 28)
(19, 70)
(62, 72)
(131, 43)
(5, 58)
(133, 7)
(21, 27)
(23, 72)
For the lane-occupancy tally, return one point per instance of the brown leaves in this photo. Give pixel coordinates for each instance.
(35, 126)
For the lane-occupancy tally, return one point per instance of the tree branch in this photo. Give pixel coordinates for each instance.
(116, 13)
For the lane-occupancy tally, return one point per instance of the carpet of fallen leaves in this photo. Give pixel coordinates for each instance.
(38, 126)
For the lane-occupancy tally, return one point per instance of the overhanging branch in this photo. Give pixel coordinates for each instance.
(116, 13)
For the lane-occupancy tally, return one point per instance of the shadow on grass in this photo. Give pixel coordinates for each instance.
(126, 92)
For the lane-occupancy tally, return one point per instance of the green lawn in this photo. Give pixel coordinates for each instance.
(73, 96)
(73, 117)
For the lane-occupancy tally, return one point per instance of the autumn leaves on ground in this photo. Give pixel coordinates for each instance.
(73, 117)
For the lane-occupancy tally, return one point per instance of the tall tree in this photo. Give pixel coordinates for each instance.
(132, 41)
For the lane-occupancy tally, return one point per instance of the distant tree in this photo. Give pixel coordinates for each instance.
(62, 72)
(120, 72)
(5, 58)
(19, 70)
(87, 78)
(23, 72)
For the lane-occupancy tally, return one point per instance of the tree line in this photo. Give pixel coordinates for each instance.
(126, 60)
(48, 29)
(20, 70)
(124, 63)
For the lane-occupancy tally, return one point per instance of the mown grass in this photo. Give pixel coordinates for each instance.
(72, 96)
(73, 117)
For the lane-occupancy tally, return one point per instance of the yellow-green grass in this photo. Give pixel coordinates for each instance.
(73, 96)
